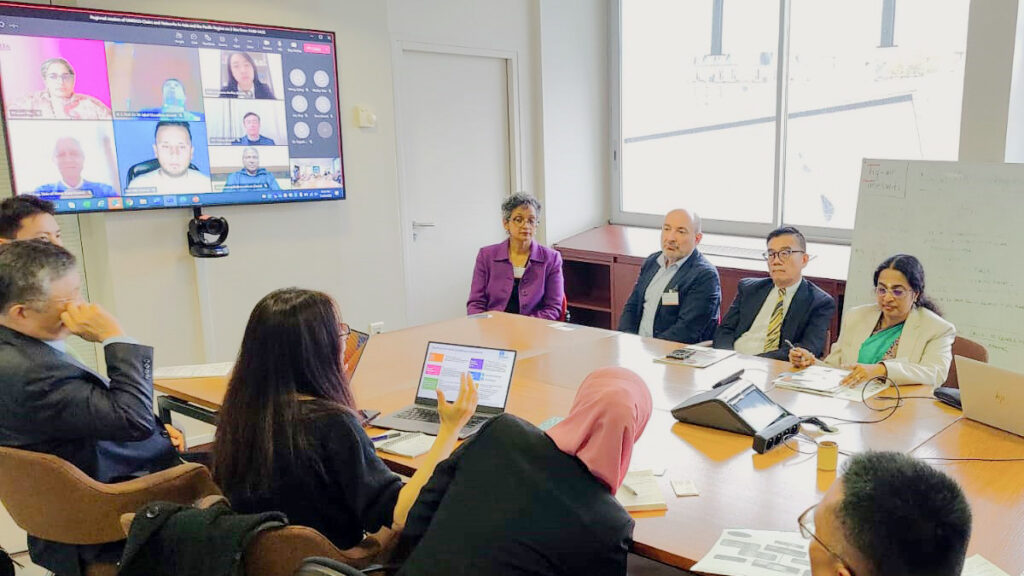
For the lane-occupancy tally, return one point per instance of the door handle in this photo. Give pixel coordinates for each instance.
(416, 224)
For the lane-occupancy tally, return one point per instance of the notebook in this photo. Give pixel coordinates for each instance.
(640, 492)
(411, 444)
(991, 395)
(443, 366)
(824, 381)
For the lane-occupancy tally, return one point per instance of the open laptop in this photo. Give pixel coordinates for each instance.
(443, 367)
(991, 395)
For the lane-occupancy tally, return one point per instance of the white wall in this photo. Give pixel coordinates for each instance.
(574, 64)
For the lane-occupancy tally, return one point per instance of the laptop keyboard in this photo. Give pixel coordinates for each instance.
(425, 415)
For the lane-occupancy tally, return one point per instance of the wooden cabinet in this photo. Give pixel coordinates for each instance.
(601, 266)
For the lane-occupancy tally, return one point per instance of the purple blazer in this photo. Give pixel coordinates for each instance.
(540, 291)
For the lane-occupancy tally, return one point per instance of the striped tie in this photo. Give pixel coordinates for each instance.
(771, 341)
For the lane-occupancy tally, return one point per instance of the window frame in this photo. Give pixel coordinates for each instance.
(829, 235)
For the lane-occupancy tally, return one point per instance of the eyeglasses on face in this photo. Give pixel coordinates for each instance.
(344, 330)
(783, 255)
(806, 523)
(62, 77)
(520, 221)
(897, 292)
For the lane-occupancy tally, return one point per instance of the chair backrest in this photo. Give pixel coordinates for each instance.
(968, 349)
(147, 166)
(281, 551)
(51, 499)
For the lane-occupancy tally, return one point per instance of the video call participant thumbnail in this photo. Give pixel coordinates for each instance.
(172, 171)
(59, 99)
(243, 79)
(174, 106)
(251, 176)
(251, 122)
(69, 158)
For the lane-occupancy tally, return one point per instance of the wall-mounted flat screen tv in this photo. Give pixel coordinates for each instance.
(115, 111)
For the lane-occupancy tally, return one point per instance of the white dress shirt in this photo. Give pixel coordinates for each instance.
(652, 297)
(752, 341)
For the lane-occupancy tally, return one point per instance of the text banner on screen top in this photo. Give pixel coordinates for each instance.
(109, 111)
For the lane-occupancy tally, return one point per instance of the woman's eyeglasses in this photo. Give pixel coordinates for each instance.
(344, 330)
(897, 292)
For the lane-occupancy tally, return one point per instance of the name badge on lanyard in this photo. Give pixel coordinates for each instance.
(670, 298)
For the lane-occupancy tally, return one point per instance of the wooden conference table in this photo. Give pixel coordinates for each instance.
(738, 488)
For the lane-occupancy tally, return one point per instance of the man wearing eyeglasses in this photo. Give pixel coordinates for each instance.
(769, 311)
(52, 403)
(677, 295)
(889, 514)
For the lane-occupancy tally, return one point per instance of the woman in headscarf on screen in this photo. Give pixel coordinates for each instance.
(59, 99)
(516, 499)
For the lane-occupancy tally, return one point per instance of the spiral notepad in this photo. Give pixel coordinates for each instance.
(409, 445)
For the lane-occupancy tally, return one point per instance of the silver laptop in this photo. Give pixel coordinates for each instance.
(991, 395)
(443, 367)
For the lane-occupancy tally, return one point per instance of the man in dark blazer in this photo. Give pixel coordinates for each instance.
(678, 293)
(51, 403)
(804, 309)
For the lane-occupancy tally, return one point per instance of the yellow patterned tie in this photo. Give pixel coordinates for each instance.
(771, 342)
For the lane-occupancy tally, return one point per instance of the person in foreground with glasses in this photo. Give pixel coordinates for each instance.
(50, 402)
(767, 312)
(518, 276)
(888, 515)
(901, 337)
(288, 434)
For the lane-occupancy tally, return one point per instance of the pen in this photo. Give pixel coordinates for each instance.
(389, 435)
(791, 347)
(629, 488)
(729, 379)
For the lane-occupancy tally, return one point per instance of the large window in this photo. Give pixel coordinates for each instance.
(758, 113)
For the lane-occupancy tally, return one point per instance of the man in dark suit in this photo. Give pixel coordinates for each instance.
(678, 293)
(51, 403)
(785, 306)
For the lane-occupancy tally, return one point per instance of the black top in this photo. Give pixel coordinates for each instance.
(513, 301)
(353, 492)
(508, 501)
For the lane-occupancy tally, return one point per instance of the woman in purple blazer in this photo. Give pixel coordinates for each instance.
(518, 275)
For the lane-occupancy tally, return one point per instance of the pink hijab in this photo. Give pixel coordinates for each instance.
(608, 415)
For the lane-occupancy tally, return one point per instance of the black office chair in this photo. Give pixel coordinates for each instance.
(319, 566)
(146, 167)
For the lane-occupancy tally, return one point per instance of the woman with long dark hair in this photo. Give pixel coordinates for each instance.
(902, 336)
(243, 79)
(288, 435)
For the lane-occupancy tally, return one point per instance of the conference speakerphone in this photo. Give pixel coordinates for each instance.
(741, 408)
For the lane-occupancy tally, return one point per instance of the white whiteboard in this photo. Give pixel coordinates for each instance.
(965, 222)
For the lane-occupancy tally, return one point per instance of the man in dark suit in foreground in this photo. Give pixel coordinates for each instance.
(678, 293)
(51, 403)
(784, 306)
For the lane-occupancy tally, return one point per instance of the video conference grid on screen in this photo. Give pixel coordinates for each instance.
(109, 111)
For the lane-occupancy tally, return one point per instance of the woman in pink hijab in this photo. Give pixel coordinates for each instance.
(515, 499)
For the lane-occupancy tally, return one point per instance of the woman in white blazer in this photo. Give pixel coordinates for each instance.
(901, 337)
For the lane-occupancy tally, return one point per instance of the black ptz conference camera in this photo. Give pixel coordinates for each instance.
(206, 235)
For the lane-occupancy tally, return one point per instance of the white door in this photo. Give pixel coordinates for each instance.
(454, 141)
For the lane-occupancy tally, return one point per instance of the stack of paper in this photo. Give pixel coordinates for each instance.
(825, 381)
(741, 552)
(409, 444)
(695, 356)
(640, 492)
